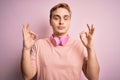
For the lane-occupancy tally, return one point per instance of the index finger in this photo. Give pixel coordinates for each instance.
(88, 27)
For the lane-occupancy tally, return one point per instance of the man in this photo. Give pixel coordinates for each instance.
(59, 57)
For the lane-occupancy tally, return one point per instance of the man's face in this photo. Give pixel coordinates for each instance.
(60, 21)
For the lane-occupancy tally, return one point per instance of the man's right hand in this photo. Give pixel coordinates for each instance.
(29, 37)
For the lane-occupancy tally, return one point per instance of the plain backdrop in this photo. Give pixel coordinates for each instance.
(104, 14)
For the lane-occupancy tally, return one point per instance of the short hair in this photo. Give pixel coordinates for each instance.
(60, 5)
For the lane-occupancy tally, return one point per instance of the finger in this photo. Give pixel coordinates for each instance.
(26, 31)
(92, 29)
(83, 35)
(28, 27)
(33, 35)
(23, 30)
(88, 27)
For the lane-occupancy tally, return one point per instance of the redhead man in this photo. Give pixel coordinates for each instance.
(59, 57)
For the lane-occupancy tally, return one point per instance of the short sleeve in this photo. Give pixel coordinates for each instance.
(85, 53)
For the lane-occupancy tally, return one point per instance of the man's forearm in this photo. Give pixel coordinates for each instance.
(27, 69)
(92, 65)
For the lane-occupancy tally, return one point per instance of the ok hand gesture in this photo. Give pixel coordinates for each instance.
(29, 37)
(88, 39)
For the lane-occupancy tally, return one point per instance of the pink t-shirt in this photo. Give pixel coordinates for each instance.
(58, 62)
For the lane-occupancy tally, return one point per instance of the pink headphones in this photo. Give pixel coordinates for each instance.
(61, 42)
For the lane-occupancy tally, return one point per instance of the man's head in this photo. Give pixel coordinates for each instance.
(60, 5)
(60, 16)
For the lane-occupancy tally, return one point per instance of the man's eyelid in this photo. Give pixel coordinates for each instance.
(66, 16)
(56, 16)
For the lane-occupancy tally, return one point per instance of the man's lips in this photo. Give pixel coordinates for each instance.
(61, 27)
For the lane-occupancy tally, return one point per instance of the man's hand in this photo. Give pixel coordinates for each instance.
(87, 40)
(29, 37)
(91, 66)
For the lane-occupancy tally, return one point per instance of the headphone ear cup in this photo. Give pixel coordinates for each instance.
(64, 40)
(55, 40)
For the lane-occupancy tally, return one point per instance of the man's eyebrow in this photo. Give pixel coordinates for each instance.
(56, 15)
(59, 15)
(67, 15)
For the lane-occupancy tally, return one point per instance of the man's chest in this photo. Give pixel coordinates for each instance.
(61, 57)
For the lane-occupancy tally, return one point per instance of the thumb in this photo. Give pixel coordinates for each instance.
(34, 35)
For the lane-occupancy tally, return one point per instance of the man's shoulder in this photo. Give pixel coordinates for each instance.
(75, 40)
(42, 40)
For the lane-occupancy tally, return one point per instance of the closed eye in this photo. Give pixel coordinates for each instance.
(56, 17)
(66, 17)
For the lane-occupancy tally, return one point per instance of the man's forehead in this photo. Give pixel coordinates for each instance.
(61, 12)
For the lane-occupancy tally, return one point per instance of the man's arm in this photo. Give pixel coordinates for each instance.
(90, 67)
(29, 39)
(27, 69)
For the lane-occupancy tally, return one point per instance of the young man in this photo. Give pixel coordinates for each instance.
(59, 57)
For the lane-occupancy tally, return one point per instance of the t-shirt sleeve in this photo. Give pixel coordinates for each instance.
(33, 56)
(84, 51)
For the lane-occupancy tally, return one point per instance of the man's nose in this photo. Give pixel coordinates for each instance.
(61, 22)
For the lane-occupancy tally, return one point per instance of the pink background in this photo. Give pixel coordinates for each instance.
(104, 14)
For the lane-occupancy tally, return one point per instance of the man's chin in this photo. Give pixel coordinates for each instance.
(60, 33)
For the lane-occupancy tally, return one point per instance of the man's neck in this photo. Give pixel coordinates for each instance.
(60, 35)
